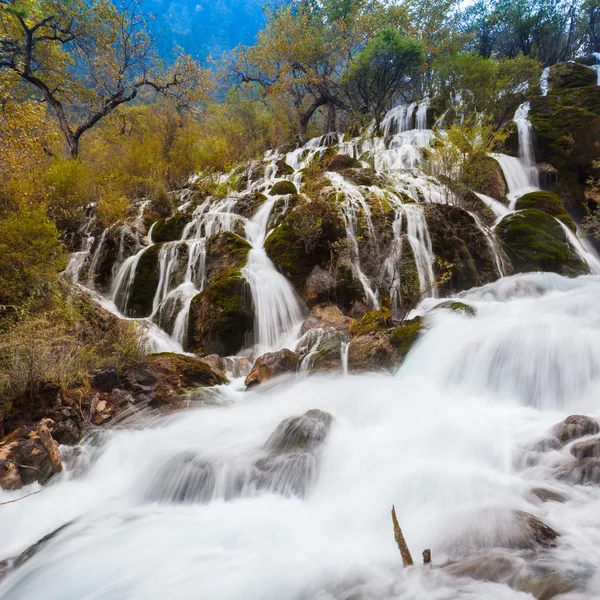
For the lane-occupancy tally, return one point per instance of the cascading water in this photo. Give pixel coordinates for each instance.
(277, 308)
(420, 242)
(79, 258)
(596, 67)
(178, 509)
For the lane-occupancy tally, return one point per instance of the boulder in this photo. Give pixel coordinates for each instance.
(484, 174)
(375, 320)
(216, 363)
(306, 432)
(283, 188)
(248, 204)
(548, 203)
(272, 364)
(580, 472)
(105, 380)
(283, 169)
(546, 495)
(326, 315)
(403, 338)
(340, 162)
(326, 357)
(67, 432)
(574, 427)
(458, 307)
(171, 229)
(586, 449)
(535, 241)
(457, 240)
(182, 372)
(372, 352)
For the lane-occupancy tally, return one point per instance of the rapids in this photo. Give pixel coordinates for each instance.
(449, 440)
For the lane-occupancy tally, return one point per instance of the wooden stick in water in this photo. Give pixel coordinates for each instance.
(401, 542)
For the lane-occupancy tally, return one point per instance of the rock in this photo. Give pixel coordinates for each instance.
(372, 352)
(139, 380)
(498, 567)
(574, 427)
(585, 471)
(50, 445)
(548, 203)
(546, 495)
(181, 372)
(248, 204)
(145, 282)
(458, 307)
(326, 315)
(340, 162)
(570, 75)
(216, 363)
(360, 176)
(306, 432)
(66, 432)
(403, 338)
(484, 174)
(9, 476)
(283, 188)
(120, 398)
(171, 229)
(327, 356)
(222, 314)
(105, 380)
(457, 240)
(535, 241)
(320, 284)
(587, 449)
(283, 169)
(272, 364)
(376, 320)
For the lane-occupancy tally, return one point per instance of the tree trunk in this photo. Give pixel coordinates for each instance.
(331, 117)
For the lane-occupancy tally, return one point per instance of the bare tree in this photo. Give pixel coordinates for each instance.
(86, 58)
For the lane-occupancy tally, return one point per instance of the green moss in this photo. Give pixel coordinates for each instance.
(483, 174)
(459, 307)
(570, 75)
(283, 169)
(171, 229)
(375, 320)
(535, 241)
(403, 338)
(222, 315)
(145, 283)
(231, 246)
(339, 162)
(548, 203)
(281, 188)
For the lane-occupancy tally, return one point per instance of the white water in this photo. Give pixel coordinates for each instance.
(420, 242)
(278, 312)
(445, 441)
(544, 84)
(78, 259)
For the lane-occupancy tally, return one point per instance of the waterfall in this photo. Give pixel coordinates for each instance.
(278, 312)
(420, 242)
(95, 258)
(584, 250)
(596, 67)
(526, 150)
(544, 83)
(354, 203)
(78, 259)
(175, 506)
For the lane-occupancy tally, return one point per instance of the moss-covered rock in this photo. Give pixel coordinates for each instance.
(548, 203)
(376, 320)
(457, 240)
(535, 241)
(403, 338)
(145, 282)
(221, 316)
(483, 174)
(339, 162)
(282, 188)
(248, 204)
(303, 240)
(570, 75)
(283, 169)
(328, 356)
(458, 307)
(170, 229)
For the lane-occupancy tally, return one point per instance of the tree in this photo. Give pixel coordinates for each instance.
(85, 58)
(381, 70)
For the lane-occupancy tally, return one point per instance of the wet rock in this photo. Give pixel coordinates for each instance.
(546, 495)
(517, 572)
(283, 188)
(216, 363)
(283, 169)
(326, 315)
(248, 204)
(39, 545)
(586, 449)
(360, 176)
(535, 533)
(580, 472)
(9, 476)
(181, 371)
(574, 427)
(120, 398)
(458, 307)
(272, 364)
(320, 284)
(66, 432)
(340, 162)
(548, 203)
(305, 432)
(105, 380)
(327, 357)
(138, 379)
(372, 352)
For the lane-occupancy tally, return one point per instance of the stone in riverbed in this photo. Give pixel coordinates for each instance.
(587, 449)
(574, 427)
(272, 364)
